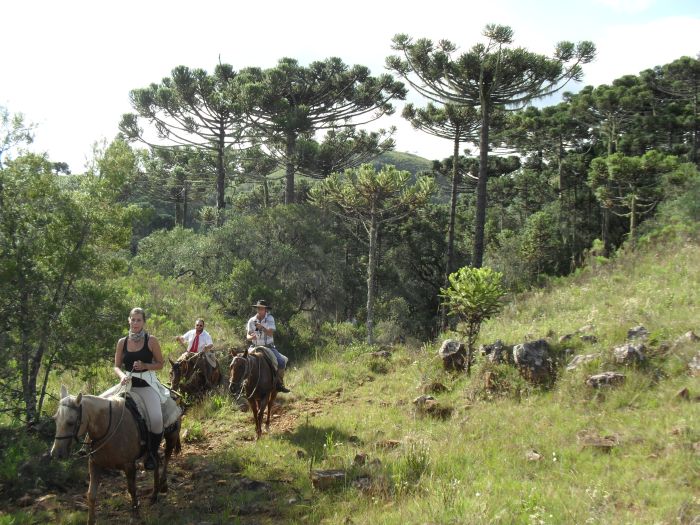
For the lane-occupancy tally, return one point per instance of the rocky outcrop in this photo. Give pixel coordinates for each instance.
(534, 362)
(453, 354)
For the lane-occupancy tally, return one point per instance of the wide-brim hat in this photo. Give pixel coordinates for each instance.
(261, 304)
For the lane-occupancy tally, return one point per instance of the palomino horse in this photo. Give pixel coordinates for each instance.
(251, 373)
(188, 375)
(114, 442)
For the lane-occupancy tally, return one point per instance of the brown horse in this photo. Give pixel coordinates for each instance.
(251, 373)
(188, 375)
(114, 442)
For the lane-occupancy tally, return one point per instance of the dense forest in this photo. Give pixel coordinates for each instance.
(266, 183)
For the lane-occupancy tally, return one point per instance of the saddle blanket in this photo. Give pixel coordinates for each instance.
(270, 355)
(170, 409)
(211, 358)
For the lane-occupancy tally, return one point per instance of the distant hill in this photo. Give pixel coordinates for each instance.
(403, 161)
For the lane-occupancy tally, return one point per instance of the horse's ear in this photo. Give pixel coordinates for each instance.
(79, 399)
(64, 391)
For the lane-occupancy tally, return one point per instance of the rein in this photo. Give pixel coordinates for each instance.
(78, 423)
(246, 376)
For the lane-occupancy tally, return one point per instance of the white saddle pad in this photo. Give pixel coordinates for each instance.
(170, 409)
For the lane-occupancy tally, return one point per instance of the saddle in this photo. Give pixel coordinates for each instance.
(171, 410)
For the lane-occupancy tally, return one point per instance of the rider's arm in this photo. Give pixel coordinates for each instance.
(119, 358)
(157, 363)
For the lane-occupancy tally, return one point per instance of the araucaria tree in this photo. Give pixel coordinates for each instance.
(291, 102)
(191, 108)
(373, 199)
(488, 76)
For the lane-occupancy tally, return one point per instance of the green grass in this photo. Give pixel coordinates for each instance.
(473, 466)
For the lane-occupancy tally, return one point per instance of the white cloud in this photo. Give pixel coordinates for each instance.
(626, 6)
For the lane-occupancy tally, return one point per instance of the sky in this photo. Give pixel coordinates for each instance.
(68, 66)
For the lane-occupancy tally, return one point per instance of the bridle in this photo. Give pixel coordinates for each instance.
(93, 441)
(78, 423)
(245, 376)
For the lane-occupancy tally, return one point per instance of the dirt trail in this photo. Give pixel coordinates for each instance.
(197, 485)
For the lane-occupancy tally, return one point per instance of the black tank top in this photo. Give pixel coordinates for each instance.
(144, 355)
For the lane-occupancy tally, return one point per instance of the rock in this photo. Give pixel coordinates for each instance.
(629, 353)
(605, 379)
(588, 338)
(694, 365)
(533, 361)
(585, 329)
(422, 399)
(589, 439)
(389, 443)
(581, 359)
(453, 354)
(566, 337)
(301, 454)
(384, 354)
(688, 337)
(497, 352)
(638, 332)
(432, 408)
(360, 459)
(533, 455)
(434, 388)
(324, 479)
(683, 393)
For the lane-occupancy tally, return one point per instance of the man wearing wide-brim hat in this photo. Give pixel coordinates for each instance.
(260, 331)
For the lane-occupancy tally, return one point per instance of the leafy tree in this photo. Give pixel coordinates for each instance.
(489, 76)
(459, 124)
(290, 102)
(191, 108)
(13, 131)
(630, 186)
(55, 252)
(373, 199)
(679, 81)
(474, 296)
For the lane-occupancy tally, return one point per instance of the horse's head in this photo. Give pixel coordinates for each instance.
(237, 372)
(175, 374)
(69, 423)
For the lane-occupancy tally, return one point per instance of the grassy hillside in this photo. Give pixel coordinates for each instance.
(509, 453)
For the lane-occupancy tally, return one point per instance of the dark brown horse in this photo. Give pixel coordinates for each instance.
(251, 374)
(189, 376)
(114, 442)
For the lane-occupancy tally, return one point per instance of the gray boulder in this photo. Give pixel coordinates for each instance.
(453, 354)
(605, 379)
(533, 360)
(498, 352)
(629, 353)
(638, 332)
(581, 359)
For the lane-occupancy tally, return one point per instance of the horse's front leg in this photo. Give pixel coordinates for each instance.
(130, 471)
(261, 412)
(170, 444)
(272, 396)
(92, 490)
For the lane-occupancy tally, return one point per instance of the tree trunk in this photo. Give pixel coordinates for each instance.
(633, 220)
(449, 263)
(480, 223)
(290, 168)
(371, 274)
(185, 198)
(220, 172)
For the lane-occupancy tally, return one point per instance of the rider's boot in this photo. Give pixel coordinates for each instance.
(280, 385)
(152, 454)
